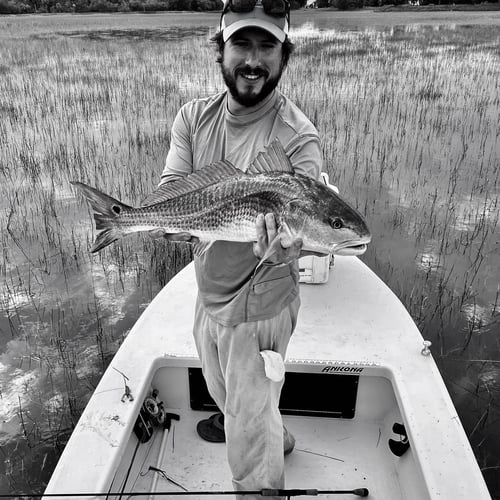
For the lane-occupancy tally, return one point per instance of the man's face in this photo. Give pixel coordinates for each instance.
(251, 65)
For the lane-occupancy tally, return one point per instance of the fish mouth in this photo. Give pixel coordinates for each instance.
(352, 250)
(357, 247)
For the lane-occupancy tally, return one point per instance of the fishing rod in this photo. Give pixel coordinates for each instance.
(267, 492)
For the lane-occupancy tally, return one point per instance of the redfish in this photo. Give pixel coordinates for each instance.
(221, 202)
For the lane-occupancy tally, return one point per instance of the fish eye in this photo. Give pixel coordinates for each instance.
(337, 223)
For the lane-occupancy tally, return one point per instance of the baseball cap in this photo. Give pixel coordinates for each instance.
(277, 23)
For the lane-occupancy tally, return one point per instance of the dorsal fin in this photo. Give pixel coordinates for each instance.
(204, 177)
(273, 159)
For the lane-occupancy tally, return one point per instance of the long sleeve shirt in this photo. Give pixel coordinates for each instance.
(204, 131)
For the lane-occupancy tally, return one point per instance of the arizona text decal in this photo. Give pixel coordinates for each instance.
(341, 369)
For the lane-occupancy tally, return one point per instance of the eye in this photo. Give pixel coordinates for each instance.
(239, 43)
(268, 45)
(337, 223)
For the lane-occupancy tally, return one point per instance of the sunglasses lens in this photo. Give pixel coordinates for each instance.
(274, 7)
(242, 5)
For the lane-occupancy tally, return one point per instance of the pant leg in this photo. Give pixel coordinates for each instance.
(234, 371)
(205, 333)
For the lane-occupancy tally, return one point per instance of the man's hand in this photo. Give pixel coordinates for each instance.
(161, 233)
(269, 245)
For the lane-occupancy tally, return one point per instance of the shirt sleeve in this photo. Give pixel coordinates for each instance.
(179, 162)
(306, 156)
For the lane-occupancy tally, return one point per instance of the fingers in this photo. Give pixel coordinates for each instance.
(157, 233)
(270, 227)
(291, 252)
(265, 227)
(284, 250)
(259, 247)
(260, 226)
(295, 246)
(161, 233)
(180, 237)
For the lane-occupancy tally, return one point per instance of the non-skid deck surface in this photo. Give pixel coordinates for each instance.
(329, 454)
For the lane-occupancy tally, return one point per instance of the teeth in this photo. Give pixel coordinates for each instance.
(251, 77)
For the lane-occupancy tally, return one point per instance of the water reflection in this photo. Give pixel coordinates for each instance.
(429, 261)
(19, 381)
(408, 135)
(476, 211)
(490, 378)
(478, 317)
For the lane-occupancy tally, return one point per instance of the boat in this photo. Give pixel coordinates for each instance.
(363, 397)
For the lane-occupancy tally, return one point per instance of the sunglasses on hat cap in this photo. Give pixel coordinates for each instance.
(270, 15)
(278, 8)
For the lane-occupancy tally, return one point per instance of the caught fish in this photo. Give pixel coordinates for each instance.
(221, 202)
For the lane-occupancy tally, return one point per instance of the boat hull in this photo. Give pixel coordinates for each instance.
(352, 327)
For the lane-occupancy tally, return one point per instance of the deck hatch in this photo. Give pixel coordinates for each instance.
(312, 394)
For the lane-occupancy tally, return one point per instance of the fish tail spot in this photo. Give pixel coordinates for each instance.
(106, 212)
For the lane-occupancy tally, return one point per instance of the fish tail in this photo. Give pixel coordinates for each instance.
(105, 238)
(106, 212)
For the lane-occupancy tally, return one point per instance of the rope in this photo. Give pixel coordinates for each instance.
(360, 492)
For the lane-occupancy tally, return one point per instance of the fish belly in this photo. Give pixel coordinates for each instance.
(207, 226)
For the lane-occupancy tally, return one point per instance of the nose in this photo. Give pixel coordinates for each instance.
(252, 58)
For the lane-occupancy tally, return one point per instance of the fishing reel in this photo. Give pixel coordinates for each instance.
(154, 408)
(152, 414)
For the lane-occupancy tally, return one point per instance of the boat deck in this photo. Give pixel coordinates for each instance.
(351, 325)
(330, 454)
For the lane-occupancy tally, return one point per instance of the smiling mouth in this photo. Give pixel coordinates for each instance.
(251, 76)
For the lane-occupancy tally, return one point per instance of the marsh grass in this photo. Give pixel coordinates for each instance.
(410, 130)
(408, 118)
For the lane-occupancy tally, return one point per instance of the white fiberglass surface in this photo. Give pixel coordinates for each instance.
(330, 454)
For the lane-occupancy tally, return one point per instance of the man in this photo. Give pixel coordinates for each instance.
(243, 310)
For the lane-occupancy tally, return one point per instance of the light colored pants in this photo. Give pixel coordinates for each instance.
(234, 371)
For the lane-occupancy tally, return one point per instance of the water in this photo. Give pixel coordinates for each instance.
(408, 115)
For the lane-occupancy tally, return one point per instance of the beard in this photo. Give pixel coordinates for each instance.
(249, 98)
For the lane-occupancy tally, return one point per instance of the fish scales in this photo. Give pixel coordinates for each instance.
(221, 202)
(215, 208)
